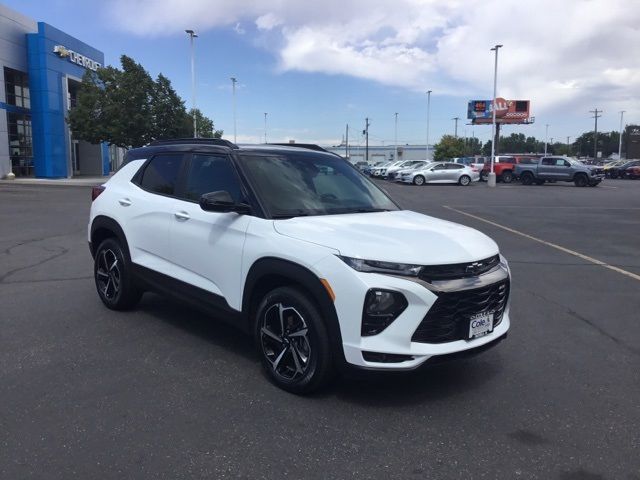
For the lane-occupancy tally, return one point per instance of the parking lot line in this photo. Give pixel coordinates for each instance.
(549, 244)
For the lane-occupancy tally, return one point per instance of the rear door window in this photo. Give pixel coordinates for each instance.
(161, 174)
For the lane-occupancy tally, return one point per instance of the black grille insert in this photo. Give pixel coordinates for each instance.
(448, 318)
(458, 270)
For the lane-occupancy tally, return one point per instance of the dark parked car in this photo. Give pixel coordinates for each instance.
(621, 170)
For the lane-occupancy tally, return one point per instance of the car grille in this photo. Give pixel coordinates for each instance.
(448, 318)
(458, 270)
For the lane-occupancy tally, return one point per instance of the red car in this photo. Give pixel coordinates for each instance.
(504, 166)
(633, 172)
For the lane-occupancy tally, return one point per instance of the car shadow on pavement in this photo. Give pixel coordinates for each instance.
(371, 388)
(428, 383)
(200, 324)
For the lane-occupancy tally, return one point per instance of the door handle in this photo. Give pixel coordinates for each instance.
(125, 202)
(182, 216)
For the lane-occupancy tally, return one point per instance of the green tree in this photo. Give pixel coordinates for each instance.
(449, 147)
(129, 109)
(473, 146)
(205, 125)
(168, 112)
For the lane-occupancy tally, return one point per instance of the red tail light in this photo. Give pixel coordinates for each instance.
(96, 191)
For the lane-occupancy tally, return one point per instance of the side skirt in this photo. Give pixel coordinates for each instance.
(207, 302)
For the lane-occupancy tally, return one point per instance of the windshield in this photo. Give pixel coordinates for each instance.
(309, 183)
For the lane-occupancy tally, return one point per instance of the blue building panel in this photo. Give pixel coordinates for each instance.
(53, 57)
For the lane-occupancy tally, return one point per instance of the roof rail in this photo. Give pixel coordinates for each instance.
(195, 141)
(308, 146)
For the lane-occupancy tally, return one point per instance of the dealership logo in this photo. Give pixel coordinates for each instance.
(474, 268)
(77, 58)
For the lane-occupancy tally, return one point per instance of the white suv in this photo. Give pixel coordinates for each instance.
(301, 250)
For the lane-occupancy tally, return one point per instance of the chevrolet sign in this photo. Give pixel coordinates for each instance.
(76, 58)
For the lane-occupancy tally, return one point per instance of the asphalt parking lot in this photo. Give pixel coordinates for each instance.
(165, 392)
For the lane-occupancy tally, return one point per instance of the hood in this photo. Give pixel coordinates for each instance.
(400, 236)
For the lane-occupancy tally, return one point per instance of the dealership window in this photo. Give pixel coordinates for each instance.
(16, 86)
(20, 143)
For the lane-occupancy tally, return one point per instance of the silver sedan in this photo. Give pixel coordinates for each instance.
(442, 172)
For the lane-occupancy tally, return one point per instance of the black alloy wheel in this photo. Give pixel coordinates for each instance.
(580, 180)
(112, 274)
(526, 178)
(293, 341)
(507, 177)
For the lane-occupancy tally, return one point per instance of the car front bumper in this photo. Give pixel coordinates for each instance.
(397, 339)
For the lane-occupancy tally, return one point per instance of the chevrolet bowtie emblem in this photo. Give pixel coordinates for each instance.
(61, 51)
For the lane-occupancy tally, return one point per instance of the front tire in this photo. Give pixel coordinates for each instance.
(580, 180)
(113, 276)
(464, 180)
(293, 341)
(418, 180)
(507, 177)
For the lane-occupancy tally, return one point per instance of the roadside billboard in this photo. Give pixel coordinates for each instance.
(507, 111)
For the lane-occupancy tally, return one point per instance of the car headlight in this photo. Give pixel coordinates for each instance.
(389, 268)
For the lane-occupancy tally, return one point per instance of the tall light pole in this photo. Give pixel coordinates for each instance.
(265, 127)
(568, 146)
(193, 35)
(491, 181)
(395, 154)
(234, 80)
(546, 138)
(620, 140)
(428, 115)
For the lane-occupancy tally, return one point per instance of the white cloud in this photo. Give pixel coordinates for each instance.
(560, 54)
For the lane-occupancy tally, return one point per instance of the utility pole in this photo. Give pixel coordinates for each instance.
(428, 115)
(365, 132)
(233, 86)
(546, 137)
(265, 127)
(595, 132)
(456, 128)
(395, 152)
(568, 146)
(620, 140)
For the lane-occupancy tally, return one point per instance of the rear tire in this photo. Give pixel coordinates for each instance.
(113, 276)
(526, 178)
(418, 180)
(580, 180)
(507, 177)
(464, 180)
(293, 341)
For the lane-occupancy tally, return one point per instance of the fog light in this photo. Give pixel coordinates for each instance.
(381, 308)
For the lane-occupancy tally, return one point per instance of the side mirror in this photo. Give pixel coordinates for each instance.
(221, 201)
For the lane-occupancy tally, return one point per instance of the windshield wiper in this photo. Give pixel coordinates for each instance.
(368, 210)
(279, 216)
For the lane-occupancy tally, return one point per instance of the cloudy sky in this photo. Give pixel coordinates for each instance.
(316, 66)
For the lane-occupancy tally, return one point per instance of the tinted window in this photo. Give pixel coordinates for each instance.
(211, 173)
(440, 166)
(453, 166)
(548, 161)
(308, 183)
(161, 174)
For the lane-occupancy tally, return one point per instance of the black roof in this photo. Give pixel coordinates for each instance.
(213, 145)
